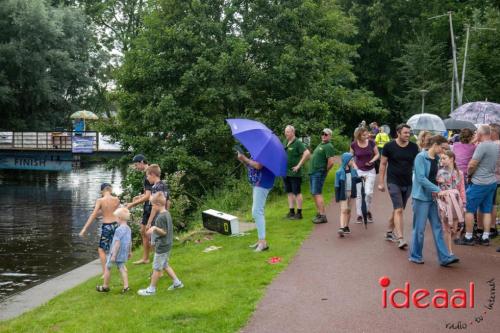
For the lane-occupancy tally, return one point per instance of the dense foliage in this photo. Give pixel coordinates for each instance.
(197, 63)
(46, 64)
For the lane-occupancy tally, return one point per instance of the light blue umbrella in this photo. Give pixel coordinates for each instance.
(478, 113)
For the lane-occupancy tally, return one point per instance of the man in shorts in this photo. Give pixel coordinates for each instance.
(397, 158)
(480, 194)
(321, 163)
(297, 156)
(140, 164)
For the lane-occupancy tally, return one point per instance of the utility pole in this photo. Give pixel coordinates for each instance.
(455, 66)
(423, 92)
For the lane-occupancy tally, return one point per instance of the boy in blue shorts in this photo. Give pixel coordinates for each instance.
(120, 251)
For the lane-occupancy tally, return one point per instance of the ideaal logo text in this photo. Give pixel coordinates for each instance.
(458, 298)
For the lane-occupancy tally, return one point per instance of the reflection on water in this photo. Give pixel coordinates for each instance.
(41, 214)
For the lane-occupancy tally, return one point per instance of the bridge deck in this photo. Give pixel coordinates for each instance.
(58, 141)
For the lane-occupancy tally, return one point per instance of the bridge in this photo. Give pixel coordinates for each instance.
(57, 151)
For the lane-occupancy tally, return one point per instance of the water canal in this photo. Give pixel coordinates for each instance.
(41, 214)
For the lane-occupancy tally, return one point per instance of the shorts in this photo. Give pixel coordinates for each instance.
(480, 196)
(316, 180)
(107, 233)
(292, 184)
(346, 204)
(146, 212)
(399, 195)
(160, 261)
(109, 263)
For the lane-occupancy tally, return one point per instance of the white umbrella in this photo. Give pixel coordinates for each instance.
(426, 122)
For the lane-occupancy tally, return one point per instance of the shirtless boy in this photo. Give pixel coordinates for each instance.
(104, 206)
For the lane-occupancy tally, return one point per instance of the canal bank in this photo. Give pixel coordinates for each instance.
(44, 292)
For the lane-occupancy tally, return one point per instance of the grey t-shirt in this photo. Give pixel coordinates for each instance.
(163, 244)
(486, 154)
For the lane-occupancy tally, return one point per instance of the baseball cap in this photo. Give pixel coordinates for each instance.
(104, 185)
(138, 158)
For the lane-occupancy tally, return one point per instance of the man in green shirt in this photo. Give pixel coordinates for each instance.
(297, 155)
(321, 163)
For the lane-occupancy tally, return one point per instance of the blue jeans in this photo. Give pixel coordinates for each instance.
(423, 211)
(259, 196)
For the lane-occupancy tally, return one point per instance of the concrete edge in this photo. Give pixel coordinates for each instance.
(38, 295)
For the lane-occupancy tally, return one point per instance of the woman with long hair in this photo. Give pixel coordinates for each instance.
(365, 154)
(424, 194)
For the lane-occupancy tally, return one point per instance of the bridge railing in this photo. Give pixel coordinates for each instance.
(46, 140)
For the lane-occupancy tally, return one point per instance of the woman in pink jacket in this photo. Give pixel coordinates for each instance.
(452, 200)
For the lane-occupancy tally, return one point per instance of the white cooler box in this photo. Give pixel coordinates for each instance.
(221, 222)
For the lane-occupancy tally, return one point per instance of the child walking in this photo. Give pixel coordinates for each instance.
(120, 251)
(451, 200)
(346, 179)
(161, 238)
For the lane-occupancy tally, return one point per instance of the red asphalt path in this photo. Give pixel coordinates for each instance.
(332, 285)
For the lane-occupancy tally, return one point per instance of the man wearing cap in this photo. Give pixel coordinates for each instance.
(140, 164)
(321, 163)
(297, 156)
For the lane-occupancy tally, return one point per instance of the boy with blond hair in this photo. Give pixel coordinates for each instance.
(162, 238)
(153, 175)
(120, 252)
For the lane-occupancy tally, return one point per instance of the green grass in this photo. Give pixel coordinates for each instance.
(221, 291)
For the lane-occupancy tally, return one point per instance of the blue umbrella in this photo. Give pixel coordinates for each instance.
(265, 147)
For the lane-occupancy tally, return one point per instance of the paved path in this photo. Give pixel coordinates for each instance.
(332, 285)
(44, 292)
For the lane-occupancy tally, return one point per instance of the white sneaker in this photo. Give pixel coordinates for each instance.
(146, 292)
(176, 286)
(402, 244)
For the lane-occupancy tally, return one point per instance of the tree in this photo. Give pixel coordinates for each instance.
(197, 63)
(44, 63)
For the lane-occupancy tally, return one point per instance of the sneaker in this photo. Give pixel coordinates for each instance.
(253, 246)
(359, 219)
(290, 215)
(175, 286)
(316, 218)
(419, 262)
(347, 230)
(298, 216)
(465, 241)
(498, 249)
(320, 219)
(369, 217)
(261, 248)
(402, 243)
(341, 232)
(493, 233)
(484, 242)
(452, 261)
(146, 292)
(389, 236)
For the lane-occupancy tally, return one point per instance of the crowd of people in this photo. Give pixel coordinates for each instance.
(452, 182)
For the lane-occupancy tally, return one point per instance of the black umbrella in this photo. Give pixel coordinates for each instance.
(364, 209)
(455, 124)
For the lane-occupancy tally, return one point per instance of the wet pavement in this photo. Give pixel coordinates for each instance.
(41, 214)
(332, 285)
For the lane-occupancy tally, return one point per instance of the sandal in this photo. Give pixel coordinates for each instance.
(102, 289)
(125, 290)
